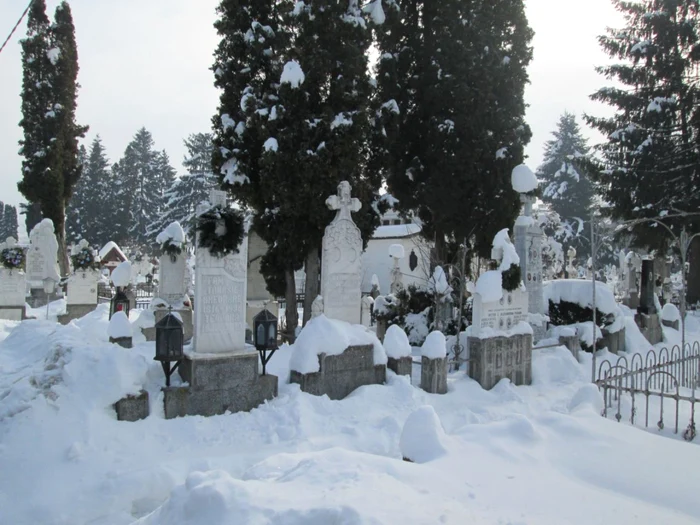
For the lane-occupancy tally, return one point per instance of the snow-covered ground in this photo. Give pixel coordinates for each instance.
(539, 454)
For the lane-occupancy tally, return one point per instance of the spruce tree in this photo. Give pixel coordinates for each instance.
(567, 188)
(650, 160)
(450, 107)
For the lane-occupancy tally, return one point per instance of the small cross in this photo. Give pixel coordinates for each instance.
(343, 202)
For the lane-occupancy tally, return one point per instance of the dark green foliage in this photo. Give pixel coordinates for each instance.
(450, 125)
(221, 231)
(8, 222)
(565, 313)
(651, 160)
(511, 278)
(32, 215)
(411, 300)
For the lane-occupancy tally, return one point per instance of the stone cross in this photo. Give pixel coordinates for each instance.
(341, 275)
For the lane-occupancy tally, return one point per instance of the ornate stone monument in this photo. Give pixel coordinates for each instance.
(222, 371)
(81, 298)
(341, 274)
(13, 288)
(42, 261)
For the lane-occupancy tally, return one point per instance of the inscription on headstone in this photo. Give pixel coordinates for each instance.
(501, 315)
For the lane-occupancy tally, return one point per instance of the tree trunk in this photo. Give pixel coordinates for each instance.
(291, 315)
(693, 290)
(438, 255)
(63, 261)
(312, 266)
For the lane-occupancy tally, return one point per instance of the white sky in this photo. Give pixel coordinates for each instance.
(146, 63)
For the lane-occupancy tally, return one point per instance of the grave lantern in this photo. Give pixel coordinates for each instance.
(170, 341)
(119, 303)
(265, 335)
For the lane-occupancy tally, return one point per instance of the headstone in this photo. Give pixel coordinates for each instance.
(494, 358)
(13, 287)
(172, 278)
(367, 303)
(42, 256)
(501, 315)
(82, 288)
(634, 267)
(341, 275)
(646, 296)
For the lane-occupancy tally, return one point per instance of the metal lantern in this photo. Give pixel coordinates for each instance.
(265, 335)
(119, 303)
(170, 342)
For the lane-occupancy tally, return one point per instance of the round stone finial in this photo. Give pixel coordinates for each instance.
(523, 179)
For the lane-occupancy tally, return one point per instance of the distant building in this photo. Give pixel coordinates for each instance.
(111, 256)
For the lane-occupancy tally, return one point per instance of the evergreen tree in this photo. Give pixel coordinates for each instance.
(10, 227)
(142, 176)
(50, 146)
(2, 222)
(187, 192)
(650, 160)
(450, 124)
(566, 187)
(32, 215)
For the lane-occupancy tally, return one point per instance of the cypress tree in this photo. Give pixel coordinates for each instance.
(9, 222)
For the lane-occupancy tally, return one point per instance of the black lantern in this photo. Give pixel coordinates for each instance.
(265, 335)
(170, 342)
(119, 303)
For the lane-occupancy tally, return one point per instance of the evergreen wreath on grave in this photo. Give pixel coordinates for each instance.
(172, 248)
(12, 258)
(511, 278)
(84, 260)
(221, 231)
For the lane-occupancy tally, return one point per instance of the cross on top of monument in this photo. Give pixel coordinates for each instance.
(343, 202)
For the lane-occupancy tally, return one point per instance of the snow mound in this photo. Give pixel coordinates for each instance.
(435, 346)
(173, 234)
(327, 336)
(670, 313)
(490, 286)
(555, 366)
(375, 12)
(504, 251)
(423, 438)
(396, 342)
(587, 397)
(292, 74)
(523, 180)
(119, 326)
(438, 282)
(397, 251)
(121, 275)
(580, 291)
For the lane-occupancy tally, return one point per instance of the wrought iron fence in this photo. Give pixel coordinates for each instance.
(143, 294)
(664, 376)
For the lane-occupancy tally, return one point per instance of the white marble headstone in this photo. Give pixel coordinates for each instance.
(82, 287)
(341, 275)
(13, 287)
(500, 315)
(42, 255)
(172, 283)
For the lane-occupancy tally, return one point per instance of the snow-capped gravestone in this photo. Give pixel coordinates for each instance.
(81, 296)
(42, 261)
(500, 339)
(433, 376)
(341, 275)
(222, 372)
(13, 282)
(398, 351)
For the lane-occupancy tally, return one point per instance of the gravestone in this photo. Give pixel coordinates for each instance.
(42, 261)
(341, 275)
(634, 267)
(494, 358)
(81, 296)
(647, 317)
(13, 288)
(501, 315)
(222, 370)
(172, 292)
(367, 304)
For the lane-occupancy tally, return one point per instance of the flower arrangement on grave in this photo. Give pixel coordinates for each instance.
(83, 257)
(172, 240)
(221, 231)
(12, 257)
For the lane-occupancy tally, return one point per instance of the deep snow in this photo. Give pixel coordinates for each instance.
(538, 454)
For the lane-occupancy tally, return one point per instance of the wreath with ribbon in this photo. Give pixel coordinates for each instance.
(84, 260)
(12, 258)
(221, 231)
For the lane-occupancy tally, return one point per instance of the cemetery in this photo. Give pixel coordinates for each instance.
(359, 301)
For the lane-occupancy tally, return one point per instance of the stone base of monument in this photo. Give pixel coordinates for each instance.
(75, 311)
(650, 326)
(187, 324)
(403, 366)
(13, 313)
(492, 359)
(124, 342)
(433, 375)
(572, 343)
(676, 325)
(132, 408)
(37, 297)
(614, 342)
(217, 384)
(340, 374)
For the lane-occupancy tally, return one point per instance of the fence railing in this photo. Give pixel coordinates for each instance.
(143, 294)
(660, 378)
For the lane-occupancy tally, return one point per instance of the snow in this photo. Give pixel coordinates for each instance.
(119, 326)
(392, 106)
(111, 245)
(341, 120)
(53, 55)
(486, 332)
(523, 180)
(670, 313)
(435, 346)
(396, 342)
(121, 275)
(423, 438)
(292, 74)
(504, 249)
(231, 174)
(332, 337)
(438, 282)
(502, 153)
(580, 291)
(375, 11)
(271, 145)
(227, 122)
(397, 251)
(538, 454)
(523, 220)
(490, 286)
(396, 231)
(173, 234)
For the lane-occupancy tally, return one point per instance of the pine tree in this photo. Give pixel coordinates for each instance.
(651, 156)
(50, 145)
(187, 192)
(450, 126)
(566, 187)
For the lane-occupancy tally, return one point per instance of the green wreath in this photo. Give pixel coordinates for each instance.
(84, 260)
(173, 249)
(221, 231)
(511, 278)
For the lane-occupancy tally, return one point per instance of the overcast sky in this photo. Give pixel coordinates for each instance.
(146, 63)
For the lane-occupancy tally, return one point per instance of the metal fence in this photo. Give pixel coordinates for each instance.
(144, 294)
(652, 382)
